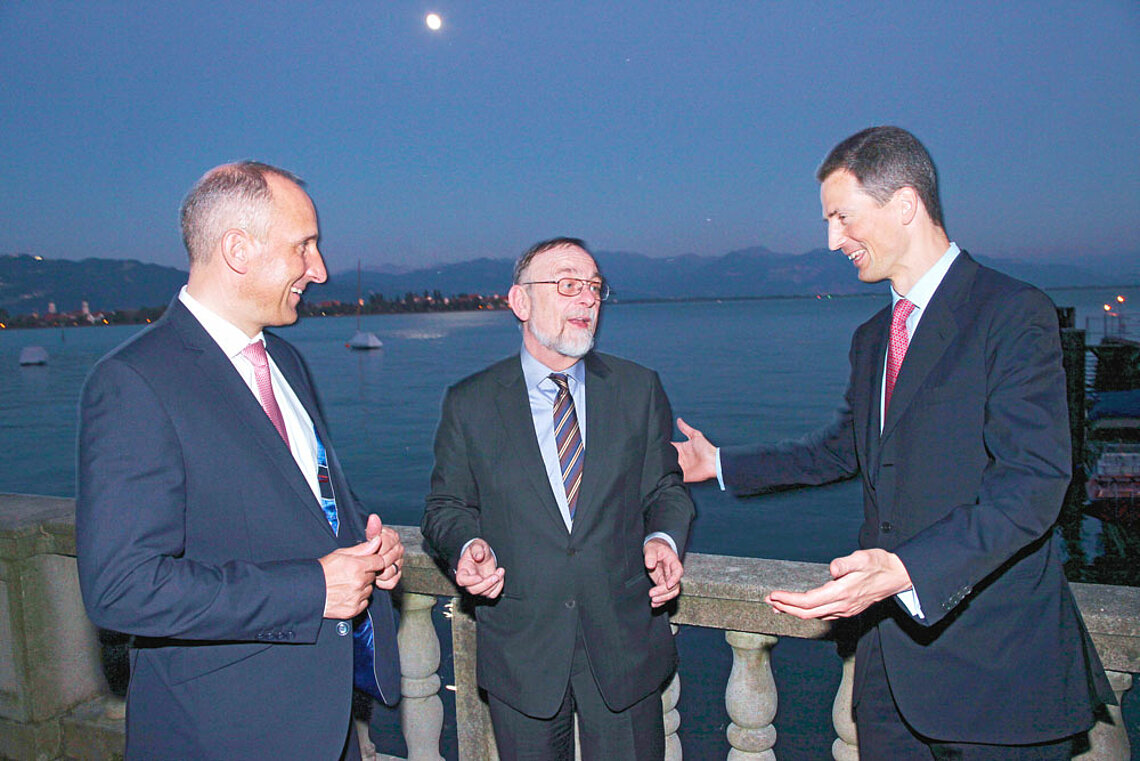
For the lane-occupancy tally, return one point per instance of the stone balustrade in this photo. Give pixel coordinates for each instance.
(53, 702)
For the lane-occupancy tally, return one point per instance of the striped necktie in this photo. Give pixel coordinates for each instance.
(568, 438)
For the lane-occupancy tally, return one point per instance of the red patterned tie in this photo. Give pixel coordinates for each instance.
(569, 440)
(899, 341)
(255, 353)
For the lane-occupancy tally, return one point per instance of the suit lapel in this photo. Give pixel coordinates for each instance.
(249, 419)
(512, 401)
(602, 403)
(872, 358)
(298, 380)
(936, 330)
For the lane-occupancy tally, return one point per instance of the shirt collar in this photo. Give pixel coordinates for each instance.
(923, 291)
(534, 372)
(229, 337)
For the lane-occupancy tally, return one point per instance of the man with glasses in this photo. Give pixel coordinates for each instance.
(557, 501)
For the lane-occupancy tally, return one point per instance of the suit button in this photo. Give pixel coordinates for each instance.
(342, 628)
(569, 603)
(886, 527)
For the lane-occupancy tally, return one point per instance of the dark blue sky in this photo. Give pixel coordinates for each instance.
(662, 128)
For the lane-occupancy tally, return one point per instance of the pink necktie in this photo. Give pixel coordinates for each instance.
(899, 341)
(255, 353)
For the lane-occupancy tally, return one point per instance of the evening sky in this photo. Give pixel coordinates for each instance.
(655, 127)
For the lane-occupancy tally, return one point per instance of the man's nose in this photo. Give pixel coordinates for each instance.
(316, 269)
(835, 236)
(586, 296)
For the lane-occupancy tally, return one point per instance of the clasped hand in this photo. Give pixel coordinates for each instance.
(352, 572)
(664, 569)
(478, 571)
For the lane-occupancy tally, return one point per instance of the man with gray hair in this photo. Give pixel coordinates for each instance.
(557, 502)
(213, 520)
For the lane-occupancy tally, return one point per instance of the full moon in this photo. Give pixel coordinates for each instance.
(433, 21)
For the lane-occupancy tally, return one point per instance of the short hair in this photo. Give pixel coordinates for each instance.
(542, 247)
(232, 195)
(884, 159)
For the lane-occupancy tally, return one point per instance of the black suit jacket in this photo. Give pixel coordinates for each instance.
(964, 484)
(198, 534)
(489, 481)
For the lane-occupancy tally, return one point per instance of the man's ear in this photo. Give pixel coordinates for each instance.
(907, 199)
(519, 300)
(237, 250)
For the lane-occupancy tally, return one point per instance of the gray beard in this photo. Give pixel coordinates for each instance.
(564, 345)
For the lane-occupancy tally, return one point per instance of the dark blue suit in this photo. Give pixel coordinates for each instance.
(964, 484)
(198, 534)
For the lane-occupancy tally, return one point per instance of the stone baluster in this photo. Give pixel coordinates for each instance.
(751, 697)
(669, 699)
(845, 747)
(1108, 740)
(421, 710)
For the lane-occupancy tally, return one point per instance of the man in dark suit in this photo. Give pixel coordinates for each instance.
(213, 520)
(557, 500)
(955, 417)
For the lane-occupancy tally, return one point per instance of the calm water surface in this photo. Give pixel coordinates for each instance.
(739, 370)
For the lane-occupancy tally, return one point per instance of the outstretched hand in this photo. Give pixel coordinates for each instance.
(859, 580)
(697, 455)
(478, 572)
(665, 570)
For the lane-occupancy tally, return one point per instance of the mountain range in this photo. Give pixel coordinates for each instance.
(28, 283)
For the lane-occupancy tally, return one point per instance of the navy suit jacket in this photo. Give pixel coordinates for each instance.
(490, 481)
(964, 484)
(198, 534)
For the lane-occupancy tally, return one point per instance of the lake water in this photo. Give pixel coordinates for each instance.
(739, 370)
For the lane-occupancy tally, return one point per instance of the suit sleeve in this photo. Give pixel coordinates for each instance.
(451, 516)
(1026, 436)
(130, 532)
(821, 457)
(666, 502)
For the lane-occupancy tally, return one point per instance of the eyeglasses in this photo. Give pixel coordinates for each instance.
(572, 286)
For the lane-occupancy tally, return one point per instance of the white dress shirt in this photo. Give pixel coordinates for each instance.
(232, 340)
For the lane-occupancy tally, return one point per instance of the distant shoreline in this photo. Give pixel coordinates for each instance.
(460, 303)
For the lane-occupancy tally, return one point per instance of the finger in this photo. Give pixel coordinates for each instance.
(392, 554)
(374, 526)
(364, 548)
(487, 584)
(476, 550)
(660, 595)
(687, 429)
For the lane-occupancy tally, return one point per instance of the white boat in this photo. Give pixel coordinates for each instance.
(362, 340)
(33, 355)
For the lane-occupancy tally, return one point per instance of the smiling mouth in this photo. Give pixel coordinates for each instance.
(856, 255)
